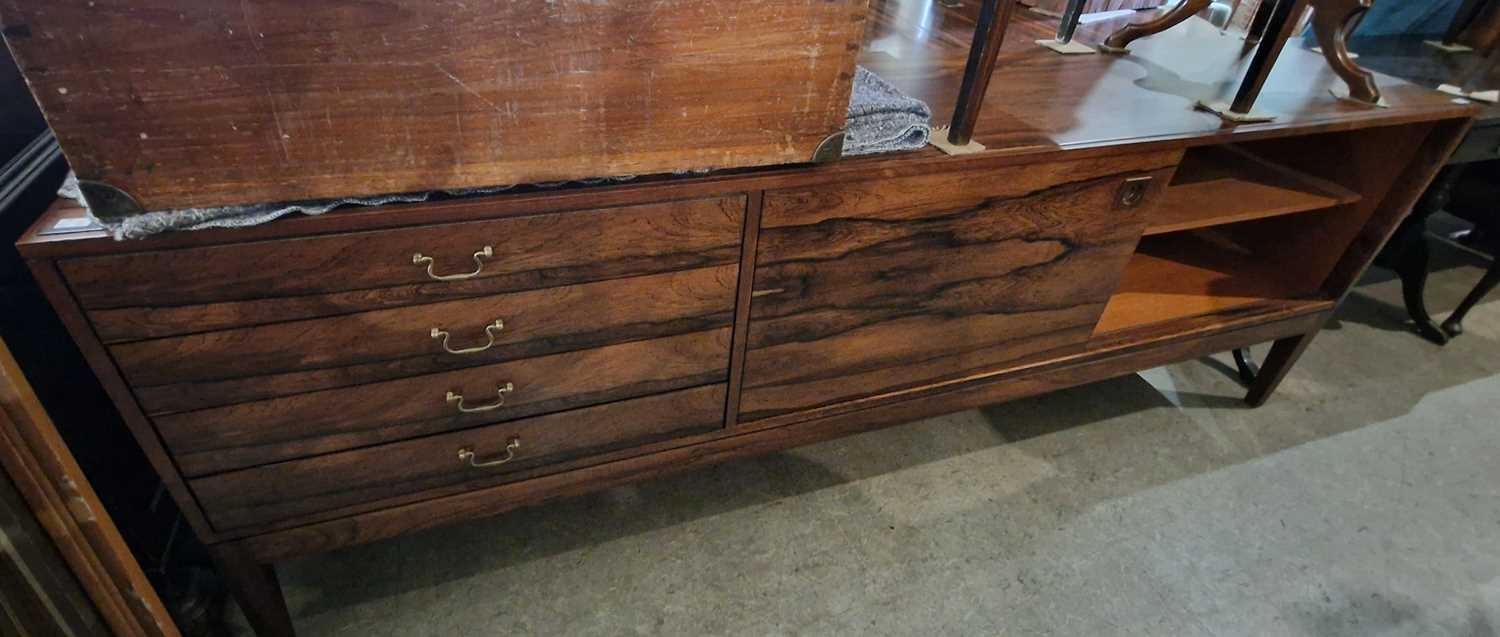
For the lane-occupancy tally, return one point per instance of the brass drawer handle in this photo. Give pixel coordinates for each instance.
(457, 400)
(466, 454)
(479, 257)
(489, 330)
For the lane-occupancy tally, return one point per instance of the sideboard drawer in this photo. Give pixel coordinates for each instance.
(167, 292)
(290, 427)
(881, 285)
(218, 368)
(433, 466)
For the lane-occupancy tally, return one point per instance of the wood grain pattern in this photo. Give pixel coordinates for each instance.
(205, 102)
(237, 436)
(56, 290)
(1133, 352)
(528, 252)
(1216, 185)
(33, 453)
(428, 465)
(1184, 274)
(169, 292)
(879, 285)
(281, 358)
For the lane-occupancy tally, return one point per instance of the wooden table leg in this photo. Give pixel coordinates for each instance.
(1244, 362)
(1117, 41)
(1413, 256)
(1284, 354)
(1455, 323)
(1408, 253)
(257, 590)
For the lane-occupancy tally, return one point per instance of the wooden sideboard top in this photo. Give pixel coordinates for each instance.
(1039, 103)
(1040, 99)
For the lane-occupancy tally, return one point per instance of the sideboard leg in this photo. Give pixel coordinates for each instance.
(1283, 355)
(1244, 363)
(257, 590)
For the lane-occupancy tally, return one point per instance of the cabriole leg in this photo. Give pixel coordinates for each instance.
(1117, 41)
(1333, 20)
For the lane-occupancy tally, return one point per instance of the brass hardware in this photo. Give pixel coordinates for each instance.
(457, 400)
(479, 257)
(466, 454)
(831, 148)
(489, 330)
(1132, 192)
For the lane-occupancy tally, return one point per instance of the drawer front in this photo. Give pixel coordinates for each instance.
(163, 293)
(218, 368)
(878, 286)
(432, 466)
(262, 432)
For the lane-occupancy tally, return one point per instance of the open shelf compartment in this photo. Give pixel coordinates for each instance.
(1196, 272)
(1218, 185)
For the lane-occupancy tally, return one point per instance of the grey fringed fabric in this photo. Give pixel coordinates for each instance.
(882, 119)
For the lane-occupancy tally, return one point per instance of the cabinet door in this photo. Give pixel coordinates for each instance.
(888, 284)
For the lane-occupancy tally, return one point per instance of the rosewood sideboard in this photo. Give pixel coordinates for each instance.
(323, 381)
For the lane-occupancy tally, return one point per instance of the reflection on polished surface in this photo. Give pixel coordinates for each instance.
(1041, 99)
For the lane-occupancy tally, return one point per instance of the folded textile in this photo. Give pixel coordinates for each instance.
(881, 119)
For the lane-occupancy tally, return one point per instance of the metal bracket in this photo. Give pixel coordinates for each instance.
(830, 149)
(108, 202)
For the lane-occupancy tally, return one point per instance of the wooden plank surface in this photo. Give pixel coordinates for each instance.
(1215, 186)
(209, 102)
(236, 436)
(431, 467)
(282, 358)
(160, 292)
(1108, 358)
(1193, 273)
(883, 284)
(33, 453)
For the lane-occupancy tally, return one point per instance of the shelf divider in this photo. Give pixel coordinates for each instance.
(1225, 184)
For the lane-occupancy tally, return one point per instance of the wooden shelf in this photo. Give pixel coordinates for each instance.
(1190, 274)
(1218, 185)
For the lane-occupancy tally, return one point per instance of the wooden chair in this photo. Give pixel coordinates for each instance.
(1333, 20)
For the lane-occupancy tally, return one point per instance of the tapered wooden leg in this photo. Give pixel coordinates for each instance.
(257, 590)
(1333, 20)
(1455, 323)
(1411, 265)
(1117, 41)
(1244, 362)
(1284, 354)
